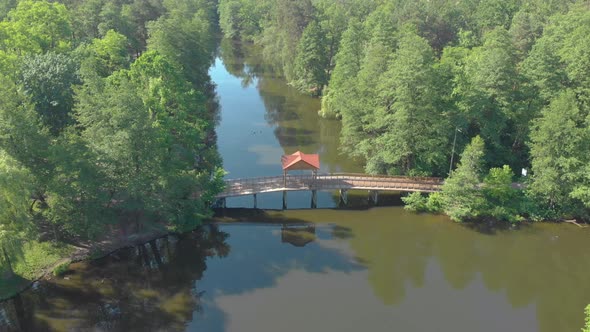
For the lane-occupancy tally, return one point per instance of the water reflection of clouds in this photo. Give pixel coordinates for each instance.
(257, 261)
(267, 154)
(261, 124)
(335, 301)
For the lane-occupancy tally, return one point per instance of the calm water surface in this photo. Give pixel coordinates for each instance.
(381, 269)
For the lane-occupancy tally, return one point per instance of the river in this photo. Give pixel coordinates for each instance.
(378, 269)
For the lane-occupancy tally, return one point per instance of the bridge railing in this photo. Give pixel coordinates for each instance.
(335, 181)
(392, 177)
(343, 175)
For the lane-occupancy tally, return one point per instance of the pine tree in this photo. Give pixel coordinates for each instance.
(311, 62)
(461, 194)
(560, 154)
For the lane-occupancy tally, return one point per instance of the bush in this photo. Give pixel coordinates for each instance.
(587, 325)
(434, 203)
(61, 269)
(415, 202)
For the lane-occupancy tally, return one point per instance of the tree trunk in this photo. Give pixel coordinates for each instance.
(156, 252)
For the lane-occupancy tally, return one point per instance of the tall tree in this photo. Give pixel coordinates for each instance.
(343, 79)
(560, 154)
(312, 61)
(358, 106)
(37, 27)
(49, 79)
(16, 189)
(148, 128)
(410, 128)
(184, 40)
(461, 194)
(490, 97)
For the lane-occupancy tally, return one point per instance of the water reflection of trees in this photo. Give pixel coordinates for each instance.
(544, 266)
(242, 61)
(292, 114)
(147, 288)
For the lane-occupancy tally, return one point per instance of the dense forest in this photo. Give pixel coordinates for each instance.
(107, 117)
(415, 82)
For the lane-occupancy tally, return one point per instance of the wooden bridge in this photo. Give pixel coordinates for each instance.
(328, 182)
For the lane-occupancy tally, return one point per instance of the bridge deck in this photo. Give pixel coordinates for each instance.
(329, 182)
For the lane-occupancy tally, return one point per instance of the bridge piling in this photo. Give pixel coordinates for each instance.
(255, 201)
(344, 197)
(373, 197)
(220, 203)
(284, 199)
(314, 199)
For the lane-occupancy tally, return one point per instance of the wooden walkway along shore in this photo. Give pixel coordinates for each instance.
(328, 182)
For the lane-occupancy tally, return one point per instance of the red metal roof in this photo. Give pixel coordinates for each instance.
(298, 160)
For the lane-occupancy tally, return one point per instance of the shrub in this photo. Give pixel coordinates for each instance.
(61, 269)
(415, 202)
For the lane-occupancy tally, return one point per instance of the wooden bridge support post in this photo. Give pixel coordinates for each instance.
(255, 201)
(314, 199)
(373, 197)
(344, 197)
(284, 199)
(220, 203)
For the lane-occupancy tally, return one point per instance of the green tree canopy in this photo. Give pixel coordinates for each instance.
(462, 197)
(560, 156)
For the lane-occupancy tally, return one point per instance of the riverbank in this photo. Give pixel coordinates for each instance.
(41, 264)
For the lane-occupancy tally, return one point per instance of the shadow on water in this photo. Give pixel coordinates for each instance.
(494, 227)
(147, 288)
(160, 285)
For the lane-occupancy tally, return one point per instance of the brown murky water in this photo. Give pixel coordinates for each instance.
(379, 269)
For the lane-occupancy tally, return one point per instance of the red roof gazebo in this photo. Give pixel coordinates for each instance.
(300, 161)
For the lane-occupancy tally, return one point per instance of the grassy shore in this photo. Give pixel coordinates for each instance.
(38, 260)
(32, 262)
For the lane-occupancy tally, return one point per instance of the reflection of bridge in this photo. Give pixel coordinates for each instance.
(328, 182)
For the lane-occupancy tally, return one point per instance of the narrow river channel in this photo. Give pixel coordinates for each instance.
(378, 269)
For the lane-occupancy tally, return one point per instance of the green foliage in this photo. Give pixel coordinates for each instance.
(417, 202)
(462, 197)
(503, 201)
(242, 19)
(88, 139)
(435, 203)
(146, 127)
(48, 80)
(16, 187)
(37, 27)
(560, 156)
(185, 40)
(34, 257)
(586, 327)
(348, 64)
(6, 6)
(311, 61)
(104, 56)
(411, 132)
(61, 269)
